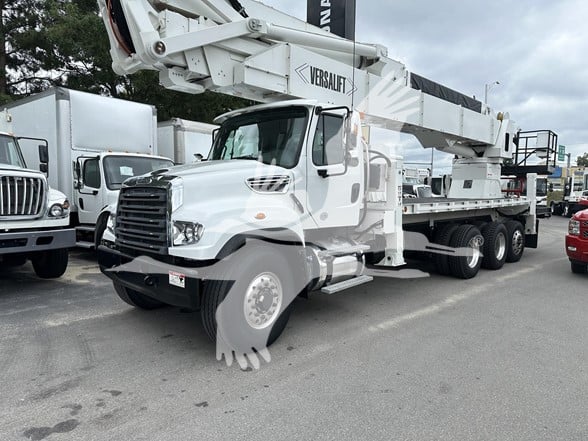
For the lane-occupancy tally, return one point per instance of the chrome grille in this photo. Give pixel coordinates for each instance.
(142, 220)
(21, 196)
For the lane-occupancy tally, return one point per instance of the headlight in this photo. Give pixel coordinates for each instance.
(574, 228)
(59, 210)
(187, 233)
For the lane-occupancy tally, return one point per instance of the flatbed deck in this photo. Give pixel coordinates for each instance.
(417, 210)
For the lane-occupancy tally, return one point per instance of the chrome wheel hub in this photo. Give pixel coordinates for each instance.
(517, 242)
(500, 246)
(263, 300)
(475, 243)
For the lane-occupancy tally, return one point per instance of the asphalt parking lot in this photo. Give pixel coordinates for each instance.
(502, 356)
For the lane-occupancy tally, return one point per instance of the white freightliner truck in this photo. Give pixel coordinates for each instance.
(34, 218)
(291, 198)
(95, 143)
(183, 140)
(573, 197)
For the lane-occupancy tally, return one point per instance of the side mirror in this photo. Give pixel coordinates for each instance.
(44, 158)
(77, 175)
(43, 154)
(198, 157)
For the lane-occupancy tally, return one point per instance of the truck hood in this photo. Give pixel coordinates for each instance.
(8, 167)
(216, 174)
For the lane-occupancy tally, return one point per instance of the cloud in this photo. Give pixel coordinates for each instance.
(537, 50)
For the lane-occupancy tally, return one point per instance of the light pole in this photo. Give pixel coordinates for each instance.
(487, 88)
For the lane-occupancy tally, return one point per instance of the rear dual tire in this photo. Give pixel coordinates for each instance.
(495, 245)
(466, 267)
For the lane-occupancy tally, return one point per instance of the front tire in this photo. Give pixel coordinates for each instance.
(579, 268)
(556, 209)
(99, 231)
(51, 264)
(136, 299)
(250, 301)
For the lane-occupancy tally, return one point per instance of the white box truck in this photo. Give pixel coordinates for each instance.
(34, 218)
(183, 140)
(95, 143)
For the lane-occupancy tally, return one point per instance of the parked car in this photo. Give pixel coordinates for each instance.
(577, 242)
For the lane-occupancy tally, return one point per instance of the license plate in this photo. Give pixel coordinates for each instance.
(177, 279)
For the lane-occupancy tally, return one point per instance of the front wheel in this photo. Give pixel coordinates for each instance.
(99, 231)
(136, 299)
(50, 264)
(579, 268)
(249, 302)
(555, 209)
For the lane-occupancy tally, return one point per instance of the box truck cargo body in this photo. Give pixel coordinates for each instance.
(184, 140)
(95, 143)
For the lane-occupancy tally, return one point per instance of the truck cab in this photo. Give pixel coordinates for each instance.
(34, 218)
(97, 181)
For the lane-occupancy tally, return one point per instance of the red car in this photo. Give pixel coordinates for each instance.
(577, 242)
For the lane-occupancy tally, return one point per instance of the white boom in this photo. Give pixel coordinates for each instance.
(247, 49)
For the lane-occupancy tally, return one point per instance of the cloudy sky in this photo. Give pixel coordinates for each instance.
(536, 49)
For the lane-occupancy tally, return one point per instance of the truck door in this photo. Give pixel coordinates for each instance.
(89, 197)
(334, 175)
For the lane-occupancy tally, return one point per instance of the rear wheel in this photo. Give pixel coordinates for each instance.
(136, 299)
(579, 268)
(466, 267)
(516, 240)
(443, 237)
(50, 264)
(495, 245)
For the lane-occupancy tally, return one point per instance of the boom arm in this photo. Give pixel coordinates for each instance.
(247, 49)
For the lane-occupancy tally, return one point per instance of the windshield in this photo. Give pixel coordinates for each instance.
(541, 187)
(269, 136)
(10, 152)
(117, 169)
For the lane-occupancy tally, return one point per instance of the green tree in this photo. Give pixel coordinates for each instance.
(64, 43)
(582, 161)
(19, 19)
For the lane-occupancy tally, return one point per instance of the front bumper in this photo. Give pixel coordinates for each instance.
(33, 241)
(172, 285)
(577, 249)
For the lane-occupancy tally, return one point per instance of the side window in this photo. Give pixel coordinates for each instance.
(91, 173)
(327, 146)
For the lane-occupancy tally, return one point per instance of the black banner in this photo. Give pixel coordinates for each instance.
(336, 16)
